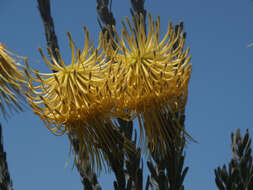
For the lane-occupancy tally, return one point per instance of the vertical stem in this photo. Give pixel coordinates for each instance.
(138, 9)
(167, 171)
(5, 179)
(45, 13)
(126, 166)
(88, 177)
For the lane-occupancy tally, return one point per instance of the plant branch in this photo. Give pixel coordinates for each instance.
(88, 177)
(167, 172)
(125, 165)
(239, 174)
(5, 179)
(105, 15)
(45, 13)
(137, 10)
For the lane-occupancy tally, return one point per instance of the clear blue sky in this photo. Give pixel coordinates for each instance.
(220, 92)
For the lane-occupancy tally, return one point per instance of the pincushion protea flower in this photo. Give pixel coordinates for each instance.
(150, 79)
(12, 82)
(70, 99)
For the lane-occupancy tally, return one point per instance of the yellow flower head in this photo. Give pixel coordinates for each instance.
(151, 77)
(70, 99)
(71, 92)
(12, 82)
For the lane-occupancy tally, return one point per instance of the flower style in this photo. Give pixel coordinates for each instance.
(12, 82)
(70, 99)
(150, 79)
